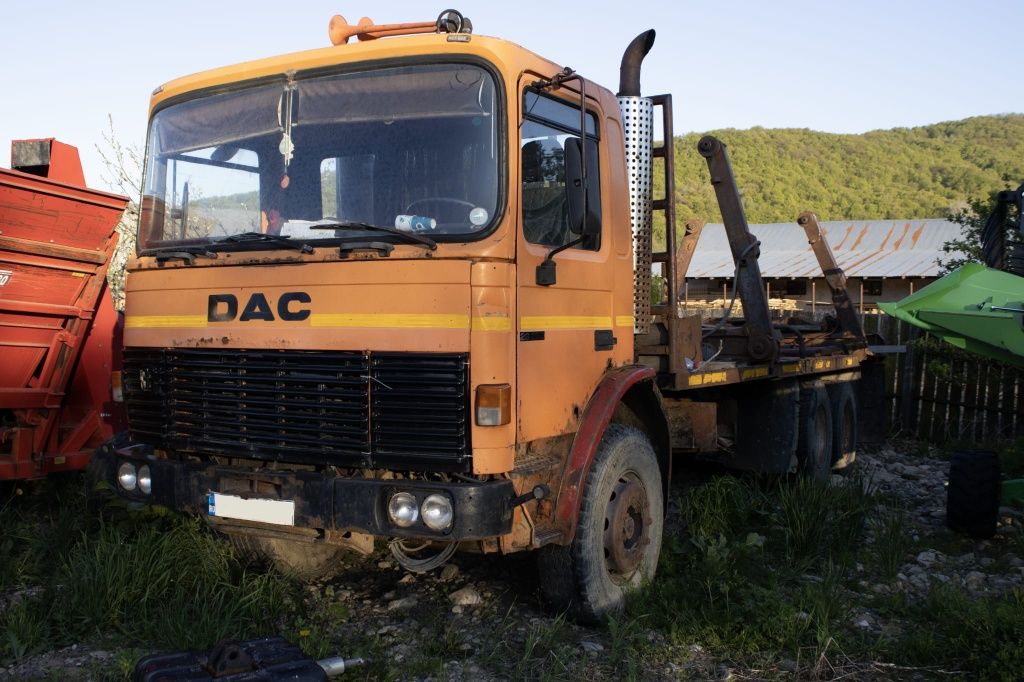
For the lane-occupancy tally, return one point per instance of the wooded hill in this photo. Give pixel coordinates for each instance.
(922, 172)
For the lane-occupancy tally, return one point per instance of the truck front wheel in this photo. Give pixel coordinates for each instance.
(618, 537)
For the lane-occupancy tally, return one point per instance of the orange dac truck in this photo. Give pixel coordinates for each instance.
(401, 289)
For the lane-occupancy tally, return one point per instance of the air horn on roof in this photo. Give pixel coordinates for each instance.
(449, 21)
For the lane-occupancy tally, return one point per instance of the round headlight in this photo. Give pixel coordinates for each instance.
(145, 479)
(402, 510)
(437, 512)
(126, 476)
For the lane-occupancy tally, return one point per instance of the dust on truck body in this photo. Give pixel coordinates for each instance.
(490, 376)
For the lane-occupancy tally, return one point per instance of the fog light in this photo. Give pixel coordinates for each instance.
(402, 510)
(145, 479)
(126, 476)
(437, 512)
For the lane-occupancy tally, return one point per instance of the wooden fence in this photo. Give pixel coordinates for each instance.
(941, 394)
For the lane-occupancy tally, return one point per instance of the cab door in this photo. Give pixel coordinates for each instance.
(565, 330)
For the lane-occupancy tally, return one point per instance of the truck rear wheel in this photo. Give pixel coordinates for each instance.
(814, 445)
(972, 498)
(618, 538)
(844, 424)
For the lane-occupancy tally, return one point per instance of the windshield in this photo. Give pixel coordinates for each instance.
(413, 147)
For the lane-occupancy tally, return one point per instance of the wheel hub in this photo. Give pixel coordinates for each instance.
(627, 527)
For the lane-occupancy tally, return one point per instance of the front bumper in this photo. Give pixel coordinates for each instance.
(482, 510)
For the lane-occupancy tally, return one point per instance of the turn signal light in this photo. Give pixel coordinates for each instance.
(493, 404)
(116, 387)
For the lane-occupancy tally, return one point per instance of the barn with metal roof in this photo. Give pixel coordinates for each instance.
(882, 259)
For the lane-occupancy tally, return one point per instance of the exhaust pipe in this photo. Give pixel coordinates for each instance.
(632, 58)
(638, 128)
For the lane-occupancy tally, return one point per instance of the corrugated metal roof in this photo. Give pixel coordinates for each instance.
(863, 248)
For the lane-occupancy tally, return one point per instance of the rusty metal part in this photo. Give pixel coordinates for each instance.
(627, 527)
(849, 322)
(684, 254)
(595, 420)
(763, 340)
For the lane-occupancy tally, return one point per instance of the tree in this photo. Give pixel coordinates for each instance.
(123, 164)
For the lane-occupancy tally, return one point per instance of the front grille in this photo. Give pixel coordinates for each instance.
(379, 410)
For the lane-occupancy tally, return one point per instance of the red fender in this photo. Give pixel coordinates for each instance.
(595, 420)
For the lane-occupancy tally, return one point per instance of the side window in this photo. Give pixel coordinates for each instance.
(549, 123)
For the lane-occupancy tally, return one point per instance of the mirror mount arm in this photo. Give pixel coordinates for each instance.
(545, 276)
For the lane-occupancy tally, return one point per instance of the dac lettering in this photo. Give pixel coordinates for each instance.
(224, 307)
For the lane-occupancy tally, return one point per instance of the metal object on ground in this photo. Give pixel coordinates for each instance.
(58, 328)
(267, 659)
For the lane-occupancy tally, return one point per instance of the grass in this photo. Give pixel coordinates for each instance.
(764, 575)
(142, 579)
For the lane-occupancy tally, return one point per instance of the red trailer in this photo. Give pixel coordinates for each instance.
(59, 333)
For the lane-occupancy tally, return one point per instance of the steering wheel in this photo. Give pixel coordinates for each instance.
(450, 200)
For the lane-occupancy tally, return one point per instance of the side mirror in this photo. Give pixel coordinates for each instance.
(588, 226)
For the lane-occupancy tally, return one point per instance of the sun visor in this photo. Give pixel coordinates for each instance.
(218, 119)
(396, 94)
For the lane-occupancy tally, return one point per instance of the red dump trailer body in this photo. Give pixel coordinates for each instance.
(59, 332)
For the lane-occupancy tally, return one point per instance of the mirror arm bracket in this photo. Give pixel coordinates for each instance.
(545, 275)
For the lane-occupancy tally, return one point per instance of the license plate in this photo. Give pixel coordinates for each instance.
(280, 512)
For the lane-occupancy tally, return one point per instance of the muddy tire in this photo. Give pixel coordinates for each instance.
(972, 498)
(844, 424)
(306, 561)
(814, 444)
(618, 538)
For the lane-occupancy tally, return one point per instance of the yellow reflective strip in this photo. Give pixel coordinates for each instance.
(492, 324)
(709, 378)
(624, 321)
(544, 322)
(390, 320)
(143, 321)
(791, 369)
(754, 373)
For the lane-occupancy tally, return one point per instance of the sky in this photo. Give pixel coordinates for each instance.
(67, 68)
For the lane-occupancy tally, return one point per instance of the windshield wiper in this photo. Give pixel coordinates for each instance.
(283, 240)
(185, 253)
(352, 225)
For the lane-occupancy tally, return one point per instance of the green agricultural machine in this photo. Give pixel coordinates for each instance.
(980, 309)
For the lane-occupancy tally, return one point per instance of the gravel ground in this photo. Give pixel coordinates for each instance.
(480, 615)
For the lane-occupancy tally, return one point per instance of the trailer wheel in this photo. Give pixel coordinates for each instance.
(618, 538)
(972, 498)
(844, 425)
(306, 561)
(814, 445)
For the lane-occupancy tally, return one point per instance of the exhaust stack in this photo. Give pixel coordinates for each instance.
(638, 128)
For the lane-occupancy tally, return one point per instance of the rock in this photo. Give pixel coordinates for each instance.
(403, 603)
(385, 564)
(591, 647)
(457, 609)
(929, 558)
(449, 572)
(467, 596)
(974, 581)
(407, 579)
